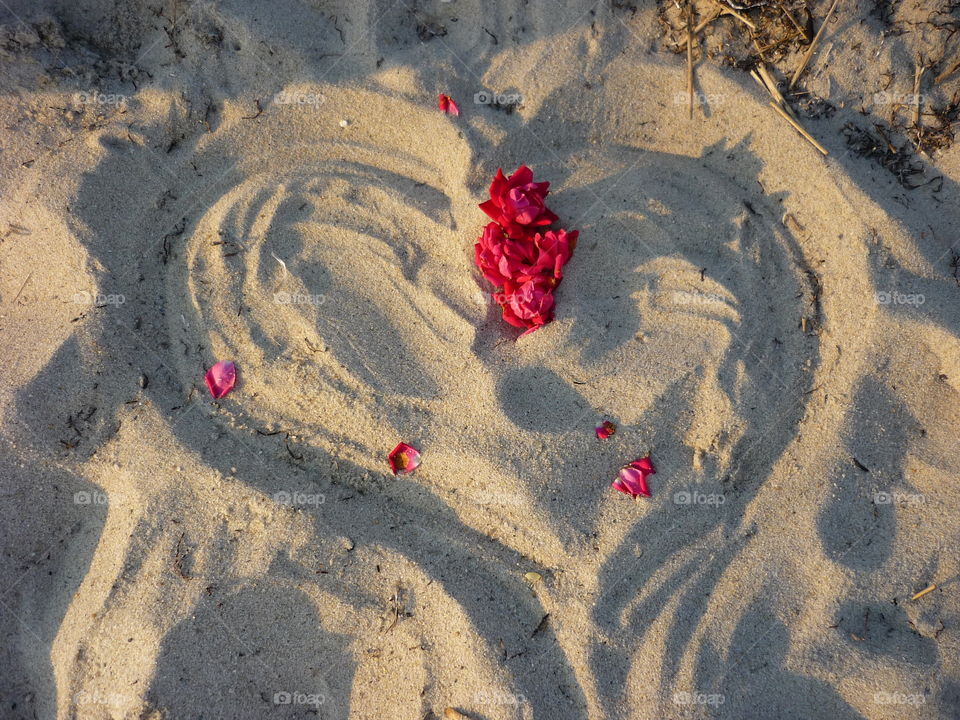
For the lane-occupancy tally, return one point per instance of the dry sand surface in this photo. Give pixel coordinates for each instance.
(272, 183)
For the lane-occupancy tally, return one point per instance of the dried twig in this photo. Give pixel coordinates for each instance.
(799, 128)
(690, 56)
(813, 44)
(700, 26)
(928, 589)
(917, 76)
(947, 73)
(780, 104)
(765, 79)
(793, 20)
(725, 10)
(17, 296)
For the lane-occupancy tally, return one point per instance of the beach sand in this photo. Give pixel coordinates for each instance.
(273, 184)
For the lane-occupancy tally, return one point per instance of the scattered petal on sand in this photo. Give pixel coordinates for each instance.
(633, 478)
(605, 429)
(404, 459)
(447, 105)
(221, 378)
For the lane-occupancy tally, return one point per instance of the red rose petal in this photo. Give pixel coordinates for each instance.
(447, 105)
(404, 459)
(498, 184)
(605, 429)
(522, 176)
(517, 253)
(221, 378)
(644, 464)
(633, 478)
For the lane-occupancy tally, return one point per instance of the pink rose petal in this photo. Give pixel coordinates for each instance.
(605, 430)
(404, 459)
(221, 378)
(447, 105)
(633, 478)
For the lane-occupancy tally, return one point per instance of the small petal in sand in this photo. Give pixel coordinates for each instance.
(447, 105)
(404, 459)
(633, 478)
(221, 378)
(605, 429)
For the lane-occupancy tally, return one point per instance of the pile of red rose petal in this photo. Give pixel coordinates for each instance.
(518, 253)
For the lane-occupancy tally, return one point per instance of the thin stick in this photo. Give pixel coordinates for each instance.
(792, 19)
(917, 75)
(700, 26)
(690, 56)
(741, 17)
(923, 592)
(17, 296)
(813, 44)
(771, 85)
(947, 73)
(799, 128)
(759, 49)
(724, 10)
